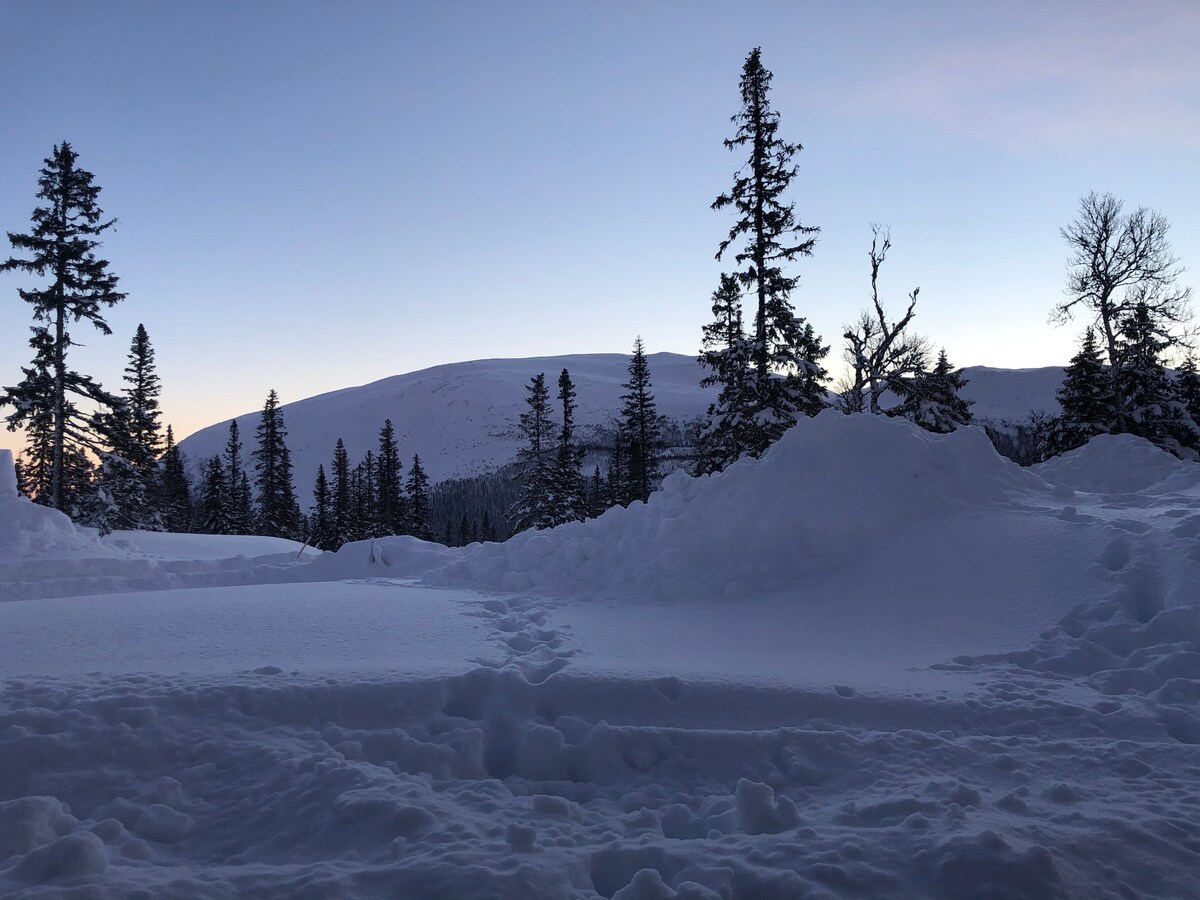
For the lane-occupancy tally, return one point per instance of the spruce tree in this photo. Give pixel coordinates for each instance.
(366, 498)
(142, 391)
(785, 353)
(727, 432)
(1187, 387)
(391, 508)
(597, 501)
(418, 497)
(277, 507)
(567, 487)
(1086, 399)
(321, 523)
(617, 479)
(533, 508)
(38, 420)
(239, 512)
(641, 425)
(212, 514)
(931, 399)
(175, 489)
(118, 495)
(1152, 406)
(124, 493)
(487, 531)
(342, 509)
(62, 244)
(22, 478)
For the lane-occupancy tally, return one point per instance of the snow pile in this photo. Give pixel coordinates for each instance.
(28, 530)
(387, 557)
(831, 484)
(1118, 464)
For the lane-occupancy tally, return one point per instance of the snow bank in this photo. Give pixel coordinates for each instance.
(27, 530)
(1118, 464)
(831, 483)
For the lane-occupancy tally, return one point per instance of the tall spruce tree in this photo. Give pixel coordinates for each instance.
(240, 514)
(567, 487)
(341, 498)
(143, 388)
(277, 507)
(61, 244)
(418, 499)
(391, 505)
(642, 428)
(125, 491)
(785, 352)
(321, 524)
(1086, 398)
(175, 489)
(534, 507)
(212, 510)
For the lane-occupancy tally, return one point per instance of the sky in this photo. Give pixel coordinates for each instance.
(317, 195)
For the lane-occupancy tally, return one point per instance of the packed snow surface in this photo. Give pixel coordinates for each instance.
(875, 663)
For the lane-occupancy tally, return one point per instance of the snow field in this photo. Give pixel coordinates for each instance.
(941, 677)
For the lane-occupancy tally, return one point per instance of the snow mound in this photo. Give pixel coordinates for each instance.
(831, 483)
(397, 556)
(1117, 464)
(27, 530)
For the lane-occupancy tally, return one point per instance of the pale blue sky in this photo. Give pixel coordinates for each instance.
(315, 195)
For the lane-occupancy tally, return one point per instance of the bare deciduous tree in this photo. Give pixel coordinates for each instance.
(880, 352)
(1118, 261)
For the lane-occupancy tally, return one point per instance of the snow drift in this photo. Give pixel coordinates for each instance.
(832, 484)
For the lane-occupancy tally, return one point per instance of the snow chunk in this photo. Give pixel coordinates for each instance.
(760, 812)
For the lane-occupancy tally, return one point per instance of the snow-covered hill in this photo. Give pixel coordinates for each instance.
(461, 417)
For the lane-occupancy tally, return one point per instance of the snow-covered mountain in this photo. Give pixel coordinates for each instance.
(461, 417)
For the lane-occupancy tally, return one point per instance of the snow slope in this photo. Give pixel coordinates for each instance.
(461, 418)
(919, 671)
